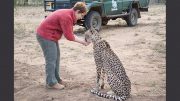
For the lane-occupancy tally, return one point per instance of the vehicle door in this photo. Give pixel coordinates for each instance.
(113, 7)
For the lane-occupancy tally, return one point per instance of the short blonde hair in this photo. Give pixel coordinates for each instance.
(81, 6)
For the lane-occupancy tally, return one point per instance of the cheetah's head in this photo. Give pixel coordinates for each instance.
(92, 35)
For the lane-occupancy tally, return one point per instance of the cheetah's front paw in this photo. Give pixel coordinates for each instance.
(94, 90)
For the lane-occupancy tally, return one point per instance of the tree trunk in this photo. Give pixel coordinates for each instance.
(25, 2)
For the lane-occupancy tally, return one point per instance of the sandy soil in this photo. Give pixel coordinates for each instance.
(141, 49)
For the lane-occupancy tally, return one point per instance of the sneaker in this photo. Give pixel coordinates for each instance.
(62, 82)
(56, 86)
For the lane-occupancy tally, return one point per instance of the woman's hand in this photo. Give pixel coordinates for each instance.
(81, 40)
(86, 43)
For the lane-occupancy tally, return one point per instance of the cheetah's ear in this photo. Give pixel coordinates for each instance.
(94, 30)
(91, 30)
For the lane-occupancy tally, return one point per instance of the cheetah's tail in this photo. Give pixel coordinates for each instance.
(117, 98)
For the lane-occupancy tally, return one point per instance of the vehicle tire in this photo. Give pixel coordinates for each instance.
(93, 19)
(132, 18)
(104, 22)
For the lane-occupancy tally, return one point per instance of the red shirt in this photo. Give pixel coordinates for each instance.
(57, 23)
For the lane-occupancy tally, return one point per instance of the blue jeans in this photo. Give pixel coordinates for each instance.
(51, 53)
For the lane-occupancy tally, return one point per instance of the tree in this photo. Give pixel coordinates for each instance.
(25, 2)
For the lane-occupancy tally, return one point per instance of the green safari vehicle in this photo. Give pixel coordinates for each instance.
(101, 11)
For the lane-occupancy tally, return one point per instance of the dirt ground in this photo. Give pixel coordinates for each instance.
(141, 49)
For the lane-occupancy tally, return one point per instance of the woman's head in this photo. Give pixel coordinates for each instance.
(80, 10)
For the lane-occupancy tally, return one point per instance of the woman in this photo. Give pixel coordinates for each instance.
(58, 23)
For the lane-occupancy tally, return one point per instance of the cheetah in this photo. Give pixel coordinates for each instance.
(107, 62)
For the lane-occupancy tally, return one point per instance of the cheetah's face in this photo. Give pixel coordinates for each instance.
(92, 35)
(88, 36)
